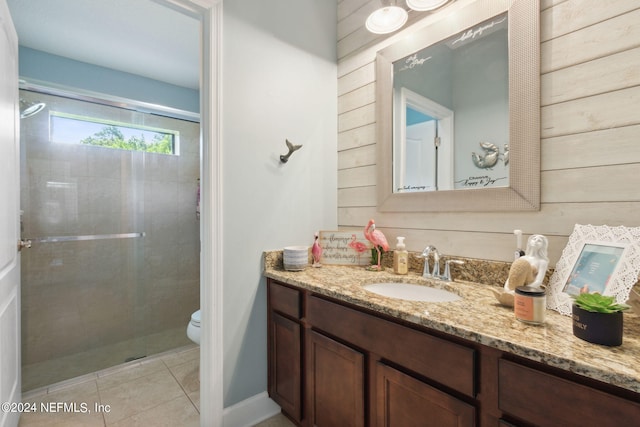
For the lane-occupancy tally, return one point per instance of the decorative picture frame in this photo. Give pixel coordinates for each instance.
(596, 259)
(345, 247)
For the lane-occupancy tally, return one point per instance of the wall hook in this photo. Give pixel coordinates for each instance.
(285, 157)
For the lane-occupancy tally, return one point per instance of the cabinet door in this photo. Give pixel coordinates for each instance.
(284, 364)
(403, 401)
(335, 381)
(543, 399)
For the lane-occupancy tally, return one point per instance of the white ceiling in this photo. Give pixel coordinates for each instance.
(135, 36)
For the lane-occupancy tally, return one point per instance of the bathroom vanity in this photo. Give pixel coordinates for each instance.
(342, 356)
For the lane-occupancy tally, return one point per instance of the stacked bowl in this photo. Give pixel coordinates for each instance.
(295, 258)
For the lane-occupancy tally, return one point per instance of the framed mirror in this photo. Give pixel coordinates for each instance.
(458, 112)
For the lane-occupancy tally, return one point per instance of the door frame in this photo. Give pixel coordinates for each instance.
(211, 231)
(10, 351)
(209, 12)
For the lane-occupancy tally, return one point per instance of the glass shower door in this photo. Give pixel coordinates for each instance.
(99, 280)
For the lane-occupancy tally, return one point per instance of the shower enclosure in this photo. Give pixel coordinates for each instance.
(113, 271)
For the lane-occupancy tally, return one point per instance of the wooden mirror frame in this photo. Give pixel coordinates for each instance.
(523, 192)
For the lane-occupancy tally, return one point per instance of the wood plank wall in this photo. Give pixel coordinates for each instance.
(590, 114)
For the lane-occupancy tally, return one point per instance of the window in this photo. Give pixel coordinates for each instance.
(73, 129)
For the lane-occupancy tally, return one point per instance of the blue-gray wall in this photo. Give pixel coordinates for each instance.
(44, 67)
(279, 82)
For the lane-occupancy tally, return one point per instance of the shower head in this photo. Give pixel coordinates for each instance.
(29, 108)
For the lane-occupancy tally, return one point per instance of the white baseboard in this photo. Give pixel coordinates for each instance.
(250, 411)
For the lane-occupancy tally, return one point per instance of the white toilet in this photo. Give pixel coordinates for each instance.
(193, 329)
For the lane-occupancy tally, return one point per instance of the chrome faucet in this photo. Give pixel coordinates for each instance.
(435, 273)
(447, 269)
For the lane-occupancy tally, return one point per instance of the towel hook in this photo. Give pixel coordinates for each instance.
(285, 157)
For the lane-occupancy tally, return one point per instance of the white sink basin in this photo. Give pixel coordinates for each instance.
(409, 292)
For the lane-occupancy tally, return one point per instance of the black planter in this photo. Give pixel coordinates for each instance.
(598, 328)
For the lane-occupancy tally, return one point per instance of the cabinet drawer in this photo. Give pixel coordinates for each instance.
(544, 399)
(445, 362)
(284, 299)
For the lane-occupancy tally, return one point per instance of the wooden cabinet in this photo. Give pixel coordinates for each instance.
(284, 364)
(543, 399)
(335, 383)
(284, 352)
(404, 401)
(447, 363)
(334, 364)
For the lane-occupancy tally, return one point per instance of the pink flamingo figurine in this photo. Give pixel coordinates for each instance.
(357, 246)
(316, 251)
(377, 238)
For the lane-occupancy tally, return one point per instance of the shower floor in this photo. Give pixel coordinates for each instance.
(41, 374)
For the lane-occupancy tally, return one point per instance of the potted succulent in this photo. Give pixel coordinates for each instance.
(598, 319)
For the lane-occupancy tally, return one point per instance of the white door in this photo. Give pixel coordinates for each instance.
(9, 221)
(421, 159)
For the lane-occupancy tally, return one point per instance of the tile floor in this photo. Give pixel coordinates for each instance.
(163, 390)
(276, 421)
(50, 371)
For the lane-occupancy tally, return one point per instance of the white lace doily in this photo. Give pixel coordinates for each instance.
(624, 276)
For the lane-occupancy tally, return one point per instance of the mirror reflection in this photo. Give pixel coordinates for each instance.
(451, 112)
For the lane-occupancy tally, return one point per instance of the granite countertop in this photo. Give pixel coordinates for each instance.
(477, 317)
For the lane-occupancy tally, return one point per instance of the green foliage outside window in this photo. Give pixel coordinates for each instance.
(112, 137)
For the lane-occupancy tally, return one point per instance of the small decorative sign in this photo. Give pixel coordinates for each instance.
(345, 248)
(479, 181)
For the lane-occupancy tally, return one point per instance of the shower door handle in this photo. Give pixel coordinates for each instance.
(59, 239)
(23, 244)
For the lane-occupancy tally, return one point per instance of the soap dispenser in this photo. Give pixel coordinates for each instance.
(400, 258)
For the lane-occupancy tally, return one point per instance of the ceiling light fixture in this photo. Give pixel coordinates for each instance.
(425, 5)
(391, 17)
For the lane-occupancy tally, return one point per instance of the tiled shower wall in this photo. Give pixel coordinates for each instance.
(133, 294)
